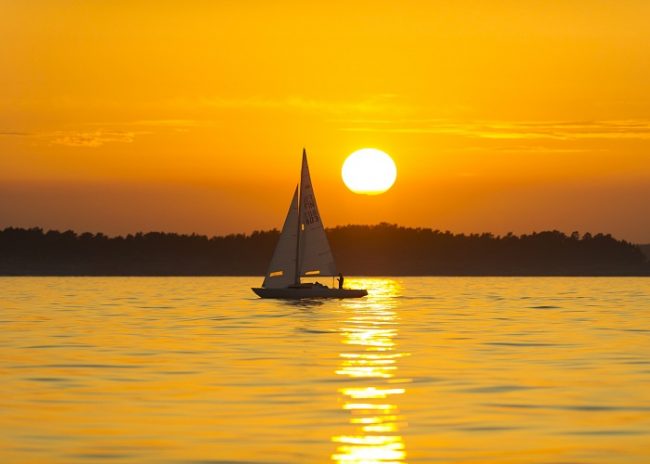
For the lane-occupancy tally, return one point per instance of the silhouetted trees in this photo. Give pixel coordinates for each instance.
(646, 250)
(391, 250)
(382, 249)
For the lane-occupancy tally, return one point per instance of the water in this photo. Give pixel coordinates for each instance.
(424, 370)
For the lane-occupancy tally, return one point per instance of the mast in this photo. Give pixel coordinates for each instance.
(304, 156)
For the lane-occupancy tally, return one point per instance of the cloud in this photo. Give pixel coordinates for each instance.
(77, 138)
(14, 134)
(557, 130)
(173, 123)
(90, 139)
(520, 148)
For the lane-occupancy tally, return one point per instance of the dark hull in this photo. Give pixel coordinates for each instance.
(309, 292)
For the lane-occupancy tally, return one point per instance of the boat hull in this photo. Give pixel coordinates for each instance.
(298, 293)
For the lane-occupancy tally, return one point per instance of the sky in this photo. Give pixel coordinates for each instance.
(191, 116)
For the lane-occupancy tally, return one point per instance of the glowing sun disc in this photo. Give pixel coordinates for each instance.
(369, 171)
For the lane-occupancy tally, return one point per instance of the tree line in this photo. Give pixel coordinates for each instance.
(383, 249)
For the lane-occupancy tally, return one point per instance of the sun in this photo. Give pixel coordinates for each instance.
(369, 171)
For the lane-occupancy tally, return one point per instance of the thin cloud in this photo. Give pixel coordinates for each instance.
(542, 149)
(368, 106)
(14, 134)
(173, 123)
(90, 139)
(557, 130)
(76, 138)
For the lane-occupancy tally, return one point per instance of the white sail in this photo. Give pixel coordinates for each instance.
(315, 254)
(282, 270)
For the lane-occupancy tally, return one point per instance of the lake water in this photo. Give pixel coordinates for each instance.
(423, 370)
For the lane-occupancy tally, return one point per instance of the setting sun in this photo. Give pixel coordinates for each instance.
(369, 171)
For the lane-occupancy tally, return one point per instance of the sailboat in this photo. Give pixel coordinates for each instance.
(302, 251)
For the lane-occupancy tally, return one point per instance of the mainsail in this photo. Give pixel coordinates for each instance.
(315, 254)
(282, 270)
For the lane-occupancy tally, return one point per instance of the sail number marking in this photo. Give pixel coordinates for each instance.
(309, 209)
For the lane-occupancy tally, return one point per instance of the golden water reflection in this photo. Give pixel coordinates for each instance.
(370, 356)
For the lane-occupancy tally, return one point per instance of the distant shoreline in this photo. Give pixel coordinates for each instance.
(322, 278)
(359, 250)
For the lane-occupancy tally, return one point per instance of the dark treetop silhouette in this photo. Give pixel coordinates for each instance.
(382, 249)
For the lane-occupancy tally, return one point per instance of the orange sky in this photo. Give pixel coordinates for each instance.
(191, 116)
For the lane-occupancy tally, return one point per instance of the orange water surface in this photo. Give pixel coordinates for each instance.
(423, 370)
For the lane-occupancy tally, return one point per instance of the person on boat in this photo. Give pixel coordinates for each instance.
(340, 279)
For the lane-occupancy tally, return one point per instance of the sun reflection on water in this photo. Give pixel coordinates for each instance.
(371, 356)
